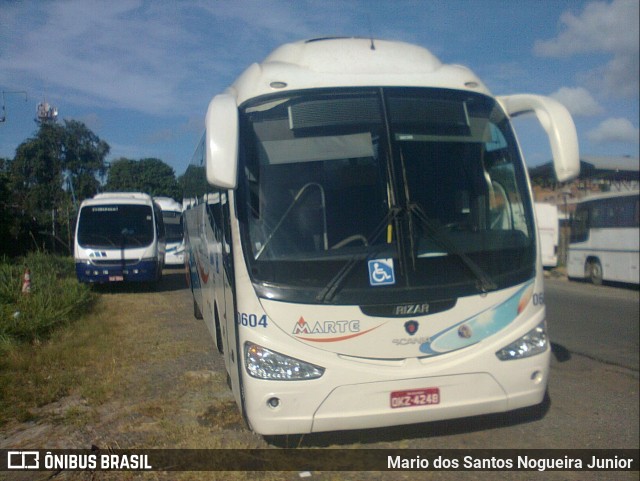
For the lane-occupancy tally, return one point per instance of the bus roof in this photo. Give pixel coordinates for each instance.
(350, 62)
(119, 198)
(167, 203)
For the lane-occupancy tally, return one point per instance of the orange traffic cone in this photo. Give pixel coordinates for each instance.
(26, 281)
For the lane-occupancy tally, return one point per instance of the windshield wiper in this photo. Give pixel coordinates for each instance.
(332, 287)
(485, 283)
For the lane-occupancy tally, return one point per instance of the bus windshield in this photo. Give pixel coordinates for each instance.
(356, 196)
(173, 225)
(115, 226)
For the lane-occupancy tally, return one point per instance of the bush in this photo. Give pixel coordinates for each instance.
(56, 297)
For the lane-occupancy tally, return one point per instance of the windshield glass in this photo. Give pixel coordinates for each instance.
(172, 225)
(115, 226)
(355, 196)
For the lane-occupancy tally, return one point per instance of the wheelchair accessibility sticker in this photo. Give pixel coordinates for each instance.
(381, 272)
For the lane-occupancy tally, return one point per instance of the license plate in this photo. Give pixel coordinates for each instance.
(415, 397)
(116, 278)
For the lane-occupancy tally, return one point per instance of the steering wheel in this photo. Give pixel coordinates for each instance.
(350, 239)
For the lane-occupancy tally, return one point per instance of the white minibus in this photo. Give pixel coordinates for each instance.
(364, 251)
(174, 236)
(119, 238)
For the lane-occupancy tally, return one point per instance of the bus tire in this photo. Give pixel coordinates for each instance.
(197, 313)
(594, 272)
(219, 343)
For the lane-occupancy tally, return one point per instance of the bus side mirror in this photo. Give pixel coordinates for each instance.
(221, 148)
(557, 122)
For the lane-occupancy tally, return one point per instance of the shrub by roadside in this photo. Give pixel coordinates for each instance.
(56, 298)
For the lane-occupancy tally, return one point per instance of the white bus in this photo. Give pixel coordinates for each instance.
(364, 252)
(605, 238)
(119, 238)
(174, 235)
(549, 232)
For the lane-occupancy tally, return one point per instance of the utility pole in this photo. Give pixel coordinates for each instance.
(3, 115)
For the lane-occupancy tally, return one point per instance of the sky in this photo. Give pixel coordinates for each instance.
(140, 74)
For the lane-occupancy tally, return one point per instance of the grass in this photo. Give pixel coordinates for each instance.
(99, 358)
(41, 336)
(74, 359)
(56, 299)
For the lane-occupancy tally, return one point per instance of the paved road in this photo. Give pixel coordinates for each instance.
(599, 322)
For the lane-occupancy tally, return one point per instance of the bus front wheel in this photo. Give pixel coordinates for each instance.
(197, 313)
(594, 272)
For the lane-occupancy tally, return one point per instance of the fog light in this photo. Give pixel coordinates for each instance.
(536, 377)
(273, 402)
(533, 342)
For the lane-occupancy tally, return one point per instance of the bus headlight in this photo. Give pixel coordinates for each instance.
(263, 363)
(533, 342)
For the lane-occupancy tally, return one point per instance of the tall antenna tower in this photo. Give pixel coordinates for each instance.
(46, 113)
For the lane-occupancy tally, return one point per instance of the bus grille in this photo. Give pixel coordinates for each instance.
(114, 262)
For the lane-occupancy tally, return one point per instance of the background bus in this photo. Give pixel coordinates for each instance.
(172, 218)
(361, 240)
(549, 232)
(119, 237)
(605, 240)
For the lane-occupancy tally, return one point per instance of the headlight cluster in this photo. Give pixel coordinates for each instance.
(533, 342)
(263, 363)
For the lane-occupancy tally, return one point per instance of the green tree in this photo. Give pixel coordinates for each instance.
(194, 182)
(58, 163)
(123, 176)
(36, 171)
(83, 158)
(58, 153)
(150, 175)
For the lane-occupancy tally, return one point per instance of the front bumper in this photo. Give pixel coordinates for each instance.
(140, 271)
(366, 403)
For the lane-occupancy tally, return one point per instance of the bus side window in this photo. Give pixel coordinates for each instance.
(160, 233)
(214, 217)
(579, 225)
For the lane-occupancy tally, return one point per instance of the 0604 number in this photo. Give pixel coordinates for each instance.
(252, 320)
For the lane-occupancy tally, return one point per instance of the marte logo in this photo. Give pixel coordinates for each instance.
(329, 331)
(411, 309)
(326, 327)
